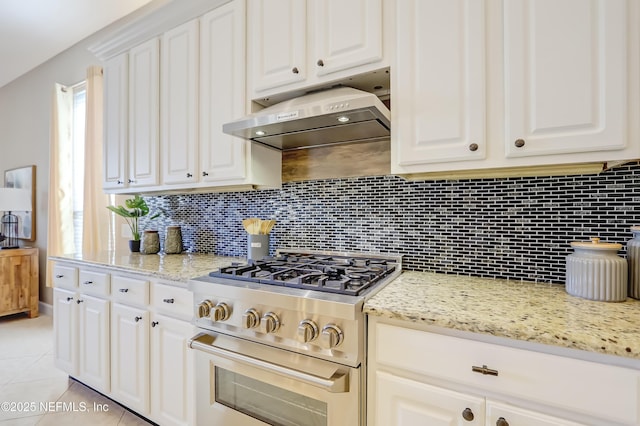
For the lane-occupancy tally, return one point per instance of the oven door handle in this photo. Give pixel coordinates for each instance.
(337, 383)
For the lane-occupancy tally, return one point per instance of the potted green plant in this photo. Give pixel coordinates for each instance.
(136, 208)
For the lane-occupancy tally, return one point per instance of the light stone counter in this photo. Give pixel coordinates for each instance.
(173, 267)
(540, 313)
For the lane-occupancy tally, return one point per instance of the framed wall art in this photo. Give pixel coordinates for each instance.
(24, 178)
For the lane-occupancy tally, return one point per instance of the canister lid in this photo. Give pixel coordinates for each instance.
(595, 244)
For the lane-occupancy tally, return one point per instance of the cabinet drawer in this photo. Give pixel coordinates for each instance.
(130, 291)
(174, 301)
(590, 388)
(92, 282)
(65, 277)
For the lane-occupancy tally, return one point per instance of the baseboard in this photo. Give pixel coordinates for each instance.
(45, 309)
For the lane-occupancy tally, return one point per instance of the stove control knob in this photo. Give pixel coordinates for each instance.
(307, 331)
(220, 312)
(270, 323)
(331, 336)
(250, 318)
(204, 308)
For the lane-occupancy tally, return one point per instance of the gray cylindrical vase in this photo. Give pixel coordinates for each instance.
(173, 240)
(150, 242)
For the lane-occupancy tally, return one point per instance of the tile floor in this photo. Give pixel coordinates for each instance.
(33, 391)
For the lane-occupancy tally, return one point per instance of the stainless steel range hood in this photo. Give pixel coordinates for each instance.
(332, 116)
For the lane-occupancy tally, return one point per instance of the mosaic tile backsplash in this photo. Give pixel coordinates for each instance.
(514, 228)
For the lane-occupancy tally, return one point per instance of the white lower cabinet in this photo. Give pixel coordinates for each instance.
(93, 339)
(81, 328)
(402, 401)
(130, 357)
(127, 337)
(418, 377)
(65, 320)
(172, 369)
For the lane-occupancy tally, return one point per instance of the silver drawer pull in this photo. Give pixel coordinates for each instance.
(59, 276)
(123, 290)
(137, 318)
(168, 300)
(87, 282)
(484, 370)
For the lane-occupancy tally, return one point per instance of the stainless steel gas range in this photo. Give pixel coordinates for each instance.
(282, 339)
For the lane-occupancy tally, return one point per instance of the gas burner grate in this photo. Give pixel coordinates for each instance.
(334, 274)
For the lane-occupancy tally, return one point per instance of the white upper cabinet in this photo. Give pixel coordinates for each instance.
(277, 43)
(144, 88)
(222, 92)
(508, 88)
(116, 111)
(179, 104)
(181, 88)
(566, 76)
(439, 99)
(294, 44)
(347, 34)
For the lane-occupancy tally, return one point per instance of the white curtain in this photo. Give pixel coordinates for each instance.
(60, 223)
(96, 227)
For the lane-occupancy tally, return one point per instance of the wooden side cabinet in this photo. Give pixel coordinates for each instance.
(19, 291)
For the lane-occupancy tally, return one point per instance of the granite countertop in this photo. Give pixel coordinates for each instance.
(534, 312)
(174, 267)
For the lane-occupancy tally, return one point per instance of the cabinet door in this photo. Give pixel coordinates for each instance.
(130, 357)
(172, 393)
(566, 78)
(93, 342)
(347, 34)
(116, 113)
(144, 87)
(179, 104)
(15, 289)
(65, 347)
(439, 84)
(277, 43)
(222, 92)
(400, 401)
(518, 416)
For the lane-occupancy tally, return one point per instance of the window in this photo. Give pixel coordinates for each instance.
(78, 114)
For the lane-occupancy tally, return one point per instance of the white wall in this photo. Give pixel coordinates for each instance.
(25, 109)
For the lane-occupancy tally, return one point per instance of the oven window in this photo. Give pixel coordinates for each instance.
(271, 404)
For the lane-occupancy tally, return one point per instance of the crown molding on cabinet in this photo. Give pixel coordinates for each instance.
(158, 17)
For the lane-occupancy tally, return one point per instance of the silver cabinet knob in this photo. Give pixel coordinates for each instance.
(154, 323)
(307, 331)
(220, 312)
(519, 143)
(205, 174)
(204, 308)
(295, 70)
(320, 63)
(270, 323)
(189, 175)
(473, 147)
(331, 336)
(137, 318)
(250, 318)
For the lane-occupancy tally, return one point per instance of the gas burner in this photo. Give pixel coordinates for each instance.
(349, 275)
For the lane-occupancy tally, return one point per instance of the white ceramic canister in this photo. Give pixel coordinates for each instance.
(633, 257)
(596, 272)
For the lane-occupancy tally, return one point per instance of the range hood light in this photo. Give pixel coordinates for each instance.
(260, 133)
(343, 119)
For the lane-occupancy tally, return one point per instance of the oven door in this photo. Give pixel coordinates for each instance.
(239, 382)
